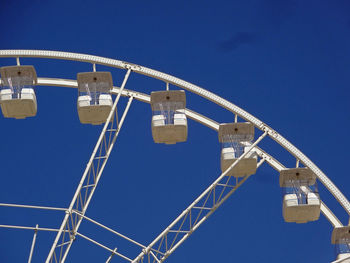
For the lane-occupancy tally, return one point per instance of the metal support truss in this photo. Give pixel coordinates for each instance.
(197, 90)
(194, 215)
(86, 188)
(198, 118)
(37, 228)
(203, 207)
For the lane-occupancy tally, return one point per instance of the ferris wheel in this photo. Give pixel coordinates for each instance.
(241, 155)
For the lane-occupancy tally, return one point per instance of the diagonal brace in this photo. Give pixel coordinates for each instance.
(67, 222)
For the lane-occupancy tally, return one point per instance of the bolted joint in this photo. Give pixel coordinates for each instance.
(132, 66)
(146, 250)
(269, 130)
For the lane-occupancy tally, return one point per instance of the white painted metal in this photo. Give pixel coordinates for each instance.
(195, 89)
(199, 118)
(110, 230)
(103, 246)
(30, 228)
(194, 116)
(37, 228)
(202, 119)
(330, 216)
(33, 244)
(100, 170)
(77, 201)
(344, 260)
(216, 193)
(34, 207)
(57, 230)
(111, 256)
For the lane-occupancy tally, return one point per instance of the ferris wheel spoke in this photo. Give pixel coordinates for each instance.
(206, 204)
(275, 164)
(193, 216)
(179, 232)
(89, 181)
(195, 89)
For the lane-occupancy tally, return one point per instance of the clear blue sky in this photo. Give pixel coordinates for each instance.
(286, 62)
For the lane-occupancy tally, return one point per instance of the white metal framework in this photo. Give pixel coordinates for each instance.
(195, 214)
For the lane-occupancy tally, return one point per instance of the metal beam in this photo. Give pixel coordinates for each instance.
(193, 115)
(103, 246)
(196, 213)
(196, 117)
(110, 230)
(197, 90)
(33, 244)
(30, 228)
(111, 256)
(341, 260)
(93, 172)
(34, 207)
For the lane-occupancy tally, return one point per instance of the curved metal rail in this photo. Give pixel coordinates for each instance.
(158, 250)
(195, 89)
(151, 251)
(194, 116)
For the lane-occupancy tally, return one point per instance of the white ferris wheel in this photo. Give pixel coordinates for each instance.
(241, 154)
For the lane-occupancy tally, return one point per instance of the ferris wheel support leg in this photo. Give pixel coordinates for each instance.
(91, 176)
(203, 212)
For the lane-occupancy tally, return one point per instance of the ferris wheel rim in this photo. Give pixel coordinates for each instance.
(192, 88)
(204, 120)
(68, 83)
(333, 189)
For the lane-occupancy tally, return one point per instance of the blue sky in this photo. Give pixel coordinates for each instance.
(286, 62)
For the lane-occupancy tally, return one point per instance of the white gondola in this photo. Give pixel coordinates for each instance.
(301, 201)
(341, 239)
(17, 96)
(169, 122)
(235, 139)
(94, 100)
